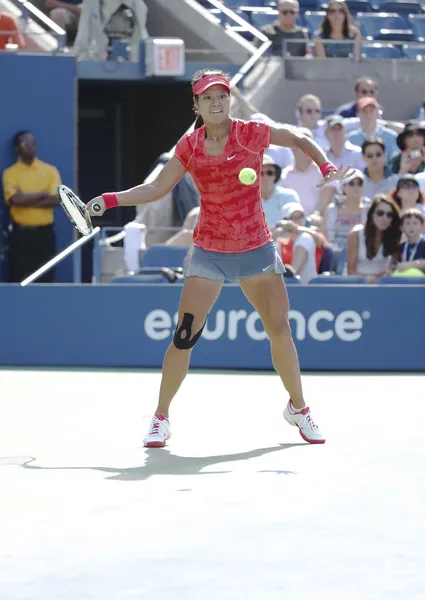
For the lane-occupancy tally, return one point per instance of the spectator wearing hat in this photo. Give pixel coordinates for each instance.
(407, 194)
(411, 142)
(340, 150)
(368, 112)
(273, 196)
(347, 210)
(297, 247)
(378, 177)
(365, 86)
(285, 29)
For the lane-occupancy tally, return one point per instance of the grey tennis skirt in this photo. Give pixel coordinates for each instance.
(222, 266)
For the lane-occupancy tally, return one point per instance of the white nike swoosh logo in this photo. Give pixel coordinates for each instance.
(269, 267)
(230, 157)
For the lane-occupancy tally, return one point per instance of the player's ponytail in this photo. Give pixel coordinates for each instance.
(199, 122)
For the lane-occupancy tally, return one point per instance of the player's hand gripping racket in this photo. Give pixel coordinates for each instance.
(76, 210)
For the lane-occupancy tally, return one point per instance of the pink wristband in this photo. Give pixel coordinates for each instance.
(326, 168)
(110, 199)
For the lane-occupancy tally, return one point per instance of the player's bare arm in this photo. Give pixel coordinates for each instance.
(286, 137)
(169, 176)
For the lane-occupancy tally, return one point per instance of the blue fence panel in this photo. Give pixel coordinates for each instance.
(40, 96)
(346, 328)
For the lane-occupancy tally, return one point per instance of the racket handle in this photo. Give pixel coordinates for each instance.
(96, 208)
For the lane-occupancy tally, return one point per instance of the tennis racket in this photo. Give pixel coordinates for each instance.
(76, 210)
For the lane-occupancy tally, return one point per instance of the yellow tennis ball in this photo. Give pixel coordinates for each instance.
(248, 176)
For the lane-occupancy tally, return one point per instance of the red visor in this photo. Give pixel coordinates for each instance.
(207, 82)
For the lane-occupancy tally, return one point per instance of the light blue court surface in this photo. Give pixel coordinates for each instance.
(237, 506)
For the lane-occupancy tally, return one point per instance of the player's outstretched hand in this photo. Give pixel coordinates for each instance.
(341, 173)
(96, 207)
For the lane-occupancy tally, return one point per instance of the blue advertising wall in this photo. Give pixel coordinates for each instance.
(335, 328)
(40, 95)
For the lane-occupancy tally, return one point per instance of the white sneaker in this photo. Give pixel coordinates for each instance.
(309, 431)
(159, 432)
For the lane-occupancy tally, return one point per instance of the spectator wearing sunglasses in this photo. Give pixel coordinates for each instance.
(411, 142)
(407, 194)
(368, 109)
(365, 86)
(285, 29)
(372, 247)
(347, 210)
(379, 179)
(273, 196)
(336, 26)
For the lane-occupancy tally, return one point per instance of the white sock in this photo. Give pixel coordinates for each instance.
(296, 410)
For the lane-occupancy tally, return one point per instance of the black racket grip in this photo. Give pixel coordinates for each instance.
(96, 207)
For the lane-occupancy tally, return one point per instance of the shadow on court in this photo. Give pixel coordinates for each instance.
(163, 462)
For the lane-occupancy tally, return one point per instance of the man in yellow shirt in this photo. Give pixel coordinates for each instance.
(29, 188)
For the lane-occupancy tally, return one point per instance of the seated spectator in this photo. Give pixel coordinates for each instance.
(66, 14)
(412, 251)
(101, 24)
(407, 194)
(347, 210)
(379, 179)
(365, 86)
(411, 143)
(285, 28)
(9, 31)
(336, 25)
(29, 188)
(184, 237)
(273, 196)
(298, 249)
(372, 247)
(368, 112)
(341, 151)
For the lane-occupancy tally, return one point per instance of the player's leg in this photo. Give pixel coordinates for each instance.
(267, 294)
(196, 301)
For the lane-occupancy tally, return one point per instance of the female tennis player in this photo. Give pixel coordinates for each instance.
(231, 241)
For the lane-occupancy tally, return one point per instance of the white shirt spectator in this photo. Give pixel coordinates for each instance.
(283, 157)
(370, 266)
(273, 205)
(350, 155)
(308, 270)
(319, 132)
(304, 183)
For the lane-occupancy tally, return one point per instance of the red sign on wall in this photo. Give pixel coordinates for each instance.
(165, 57)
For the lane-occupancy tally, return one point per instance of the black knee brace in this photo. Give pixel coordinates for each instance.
(183, 339)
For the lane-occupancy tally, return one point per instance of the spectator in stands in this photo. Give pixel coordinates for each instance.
(303, 177)
(407, 194)
(347, 210)
(372, 247)
(298, 248)
(184, 237)
(309, 115)
(336, 26)
(368, 111)
(365, 86)
(412, 251)
(379, 179)
(9, 31)
(284, 29)
(29, 188)
(66, 14)
(411, 143)
(341, 151)
(273, 196)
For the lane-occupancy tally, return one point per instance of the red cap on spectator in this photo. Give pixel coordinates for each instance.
(367, 101)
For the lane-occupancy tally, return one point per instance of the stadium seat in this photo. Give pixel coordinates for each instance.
(401, 8)
(372, 23)
(312, 20)
(380, 51)
(259, 19)
(395, 35)
(338, 280)
(417, 23)
(389, 280)
(413, 51)
(355, 6)
(161, 255)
